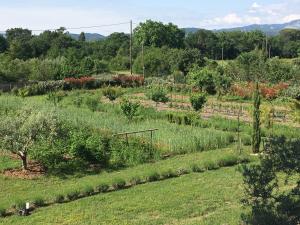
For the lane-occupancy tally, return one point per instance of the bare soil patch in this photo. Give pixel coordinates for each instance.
(34, 170)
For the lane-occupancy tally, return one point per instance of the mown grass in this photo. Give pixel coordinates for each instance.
(49, 187)
(7, 163)
(207, 198)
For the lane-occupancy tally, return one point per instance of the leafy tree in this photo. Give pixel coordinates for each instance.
(129, 109)
(256, 133)
(271, 203)
(204, 40)
(157, 34)
(156, 62)
(251, 65)
(22, 133)
(203, 78)
(198, 101)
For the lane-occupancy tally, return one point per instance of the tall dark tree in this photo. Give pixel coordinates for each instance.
(81, 37)
(3, 44)
(256, 133)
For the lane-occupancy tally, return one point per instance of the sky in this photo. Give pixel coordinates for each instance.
(208, 14)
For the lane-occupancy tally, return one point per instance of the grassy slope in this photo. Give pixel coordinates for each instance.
(13, 189)
(208, 198)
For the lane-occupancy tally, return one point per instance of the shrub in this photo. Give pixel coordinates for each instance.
(203, 79)
(39, 202)
(128, 81)
(246, 140)
(59, 198)
(88, 191)
(198, 101)
(118, 183)
(92, 103)
(153, 176)
(158, 94)
(129, 108)
(73, 195)
(182, 171)
(102, 188)
(2, 212)
(228, 161)
(211, 165)
(168, 174)
(83, 82)
(197, 168)
(135, 180)
(55, 97)
(19, 205)
(78, 100)
(112, 93)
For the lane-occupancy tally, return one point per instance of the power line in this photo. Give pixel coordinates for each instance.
(78, 28)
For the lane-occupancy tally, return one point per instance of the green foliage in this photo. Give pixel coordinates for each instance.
(156, 34)
(118, 183)
(270, 202)
(135, 180)
(129, 109)
(55, 97)
(73, 195)
(112, 93)
(153, 176)
(203, 79)
(293, 91)
(198, 101)
(256, 133)
(92, 103)
(102, 188)
(24, 132)
(158, 94)
(39, 202)
(59, 198)
(88, 191)
(19, 205)
(2, 212)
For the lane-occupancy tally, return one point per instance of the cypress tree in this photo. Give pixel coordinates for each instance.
(82, 37)
(256, 135)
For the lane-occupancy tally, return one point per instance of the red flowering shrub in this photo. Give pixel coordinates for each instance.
(268, 92)
(82, 82)
(129, 80)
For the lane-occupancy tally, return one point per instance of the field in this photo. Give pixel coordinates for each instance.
(193, 177)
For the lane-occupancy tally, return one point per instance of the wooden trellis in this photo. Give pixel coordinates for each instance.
(126, 134)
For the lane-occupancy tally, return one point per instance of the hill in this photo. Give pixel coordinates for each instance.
(89, 36)
(270, 29)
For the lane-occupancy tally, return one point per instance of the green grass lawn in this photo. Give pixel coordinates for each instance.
(14, 189)
(208, 198)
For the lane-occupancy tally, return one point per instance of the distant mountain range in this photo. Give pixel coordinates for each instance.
(270, 29)
(89, 36)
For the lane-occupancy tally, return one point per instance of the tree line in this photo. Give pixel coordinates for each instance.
(55, 55)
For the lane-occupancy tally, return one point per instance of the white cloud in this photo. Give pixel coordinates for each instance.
(290, 18)
(231, 19)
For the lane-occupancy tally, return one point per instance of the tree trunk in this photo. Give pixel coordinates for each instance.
(23, 157)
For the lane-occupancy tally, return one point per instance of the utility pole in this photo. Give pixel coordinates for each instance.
(130, 47)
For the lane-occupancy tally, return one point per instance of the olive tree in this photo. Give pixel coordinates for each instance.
(21, 134)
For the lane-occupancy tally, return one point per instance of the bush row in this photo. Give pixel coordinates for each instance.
(120, 183)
